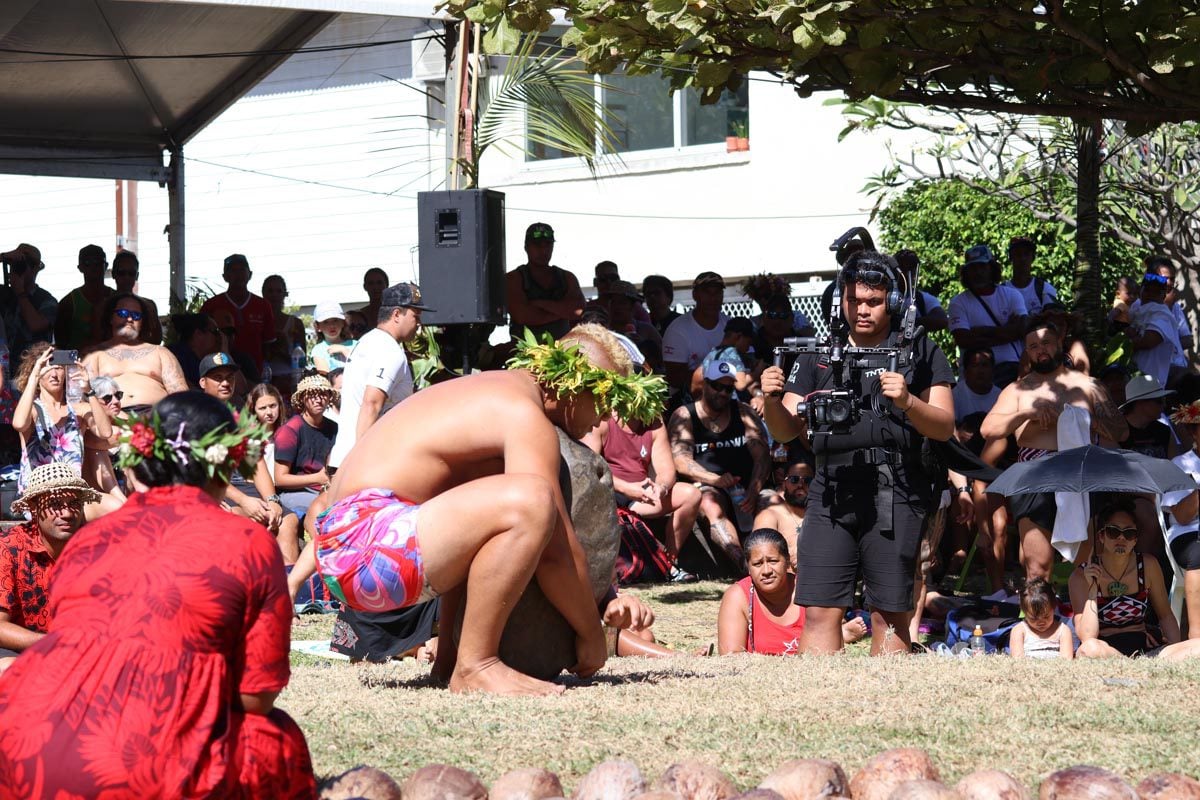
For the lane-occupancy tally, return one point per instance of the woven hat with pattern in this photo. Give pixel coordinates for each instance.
(58, 477)
(313, 383)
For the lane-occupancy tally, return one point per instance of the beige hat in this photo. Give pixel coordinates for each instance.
(313, 383)
(54, 478)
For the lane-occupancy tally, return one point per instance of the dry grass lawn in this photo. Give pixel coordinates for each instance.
(746, 714)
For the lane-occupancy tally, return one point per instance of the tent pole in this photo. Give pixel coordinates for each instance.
(175, 231)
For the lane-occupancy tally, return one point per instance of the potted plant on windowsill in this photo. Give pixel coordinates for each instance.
(741, 133)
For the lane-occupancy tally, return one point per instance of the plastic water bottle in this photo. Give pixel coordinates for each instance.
(297, 359)
(737, 494)
(978, 645)
(74, 385)
(266, 373)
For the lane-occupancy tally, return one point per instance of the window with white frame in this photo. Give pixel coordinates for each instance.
(645, 115)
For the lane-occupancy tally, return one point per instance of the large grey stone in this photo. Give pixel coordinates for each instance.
(537, 640)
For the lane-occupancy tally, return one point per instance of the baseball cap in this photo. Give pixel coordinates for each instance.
(215, 360)
(92, 252)
(740, 325)
(717, 370)
(979, 254)
(27, 252)
(624, 288)
(236, 258)
(403, 295)
(539, 232)
(708, 279)
(328, 309)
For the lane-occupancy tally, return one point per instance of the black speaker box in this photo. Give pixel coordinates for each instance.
(461, 240)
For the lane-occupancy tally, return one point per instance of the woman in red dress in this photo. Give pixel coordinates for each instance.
(168, 640)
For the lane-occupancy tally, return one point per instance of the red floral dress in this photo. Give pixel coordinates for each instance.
(161, 614)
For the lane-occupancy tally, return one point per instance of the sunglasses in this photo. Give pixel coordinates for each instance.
(1113, 532)
(723, 388)
(108, 398)
(535, 235)
(778, 315)
(869, 277)
(1155, 278)
(794, 479)
(125, 313)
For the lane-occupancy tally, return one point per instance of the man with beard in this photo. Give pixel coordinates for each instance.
(146, 372)
(1030, 409)
(788, 517)
(718, 445)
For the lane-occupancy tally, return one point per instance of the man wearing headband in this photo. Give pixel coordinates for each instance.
(871, 493)
(1153, 330)
(455, 493)
(54, 500)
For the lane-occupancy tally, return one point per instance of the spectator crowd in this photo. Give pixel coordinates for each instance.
(702, 489)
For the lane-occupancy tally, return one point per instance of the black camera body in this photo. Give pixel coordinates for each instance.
(836, 411)
(15, 266)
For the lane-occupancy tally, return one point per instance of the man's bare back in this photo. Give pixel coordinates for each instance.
(447, 435)
(146, 373)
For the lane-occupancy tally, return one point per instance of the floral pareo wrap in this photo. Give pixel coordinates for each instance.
(367, 552)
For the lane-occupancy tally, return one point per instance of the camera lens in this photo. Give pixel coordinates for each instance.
(839, 411)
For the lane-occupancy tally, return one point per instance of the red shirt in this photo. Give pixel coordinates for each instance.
(24, 576)
(768, 636)
(254, 320)
(628, 454)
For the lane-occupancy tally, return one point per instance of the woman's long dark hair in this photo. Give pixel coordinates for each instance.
(199, 414)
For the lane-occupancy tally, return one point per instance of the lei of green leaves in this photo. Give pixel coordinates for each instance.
(565, 371)
(248, 432)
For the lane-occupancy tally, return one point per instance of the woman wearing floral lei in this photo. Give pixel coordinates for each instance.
(167, 603)
(1182, 537)
(455, 494)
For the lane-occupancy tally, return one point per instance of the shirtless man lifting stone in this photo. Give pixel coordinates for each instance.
(476, 461)
(146, 372)
(1030, 408)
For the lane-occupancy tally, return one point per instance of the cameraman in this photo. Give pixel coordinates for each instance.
(28, 310)
(871, 493)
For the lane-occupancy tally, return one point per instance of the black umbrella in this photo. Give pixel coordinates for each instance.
(1093, 469)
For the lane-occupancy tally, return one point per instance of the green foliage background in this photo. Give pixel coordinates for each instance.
(941, 219)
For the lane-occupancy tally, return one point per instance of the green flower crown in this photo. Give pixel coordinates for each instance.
(565, 371)
(220, 451)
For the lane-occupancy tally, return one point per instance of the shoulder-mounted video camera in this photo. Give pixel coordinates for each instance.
(838, 409)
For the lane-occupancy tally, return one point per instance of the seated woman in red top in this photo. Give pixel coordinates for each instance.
(758, 613)
(168, 636)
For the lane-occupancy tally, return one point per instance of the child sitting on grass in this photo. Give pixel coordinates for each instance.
(1041, 634)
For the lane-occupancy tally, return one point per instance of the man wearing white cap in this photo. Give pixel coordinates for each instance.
(718, 445)
(54, 499)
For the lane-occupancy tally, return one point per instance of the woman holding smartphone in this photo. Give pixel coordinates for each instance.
(51, 429)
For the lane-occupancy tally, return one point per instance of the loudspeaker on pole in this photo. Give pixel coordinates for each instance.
(461, 256)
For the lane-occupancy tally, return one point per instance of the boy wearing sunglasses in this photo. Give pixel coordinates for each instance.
(147, 372)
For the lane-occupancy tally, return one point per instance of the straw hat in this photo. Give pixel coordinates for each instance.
(57, 477)
(313, 383)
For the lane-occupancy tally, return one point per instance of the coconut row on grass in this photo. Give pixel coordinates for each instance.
(903, 773)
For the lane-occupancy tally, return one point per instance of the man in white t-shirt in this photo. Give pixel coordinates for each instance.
(377, 375)
(1035, 291)
(975, 392)
(1161, 265)
(690, 337)
(1153, 331)
(988, 314)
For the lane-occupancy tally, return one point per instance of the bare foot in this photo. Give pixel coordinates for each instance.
(495, 677)
(853, 630)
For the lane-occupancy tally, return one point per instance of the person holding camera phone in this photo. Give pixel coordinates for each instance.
(28, 310)
(871, 493)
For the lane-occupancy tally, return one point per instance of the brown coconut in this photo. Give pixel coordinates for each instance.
(991, 784)
(923, 790)
(531, 783)
(443, 782)
(363, 782)
(807, 779)
(760, 794)
(1085, 783)
(609, 780)
(694, 780)
(887, 770)
(1169, 786)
